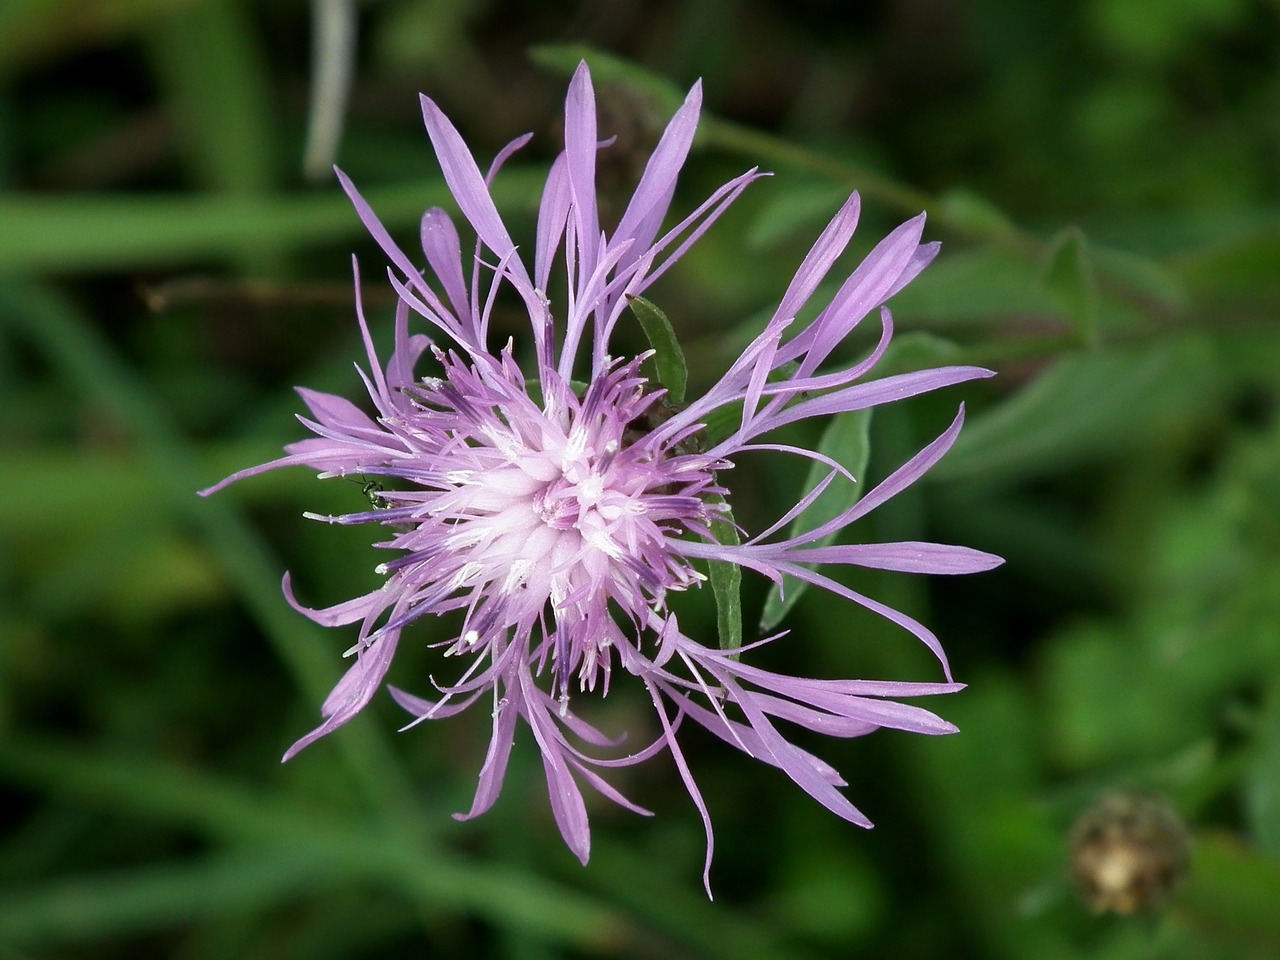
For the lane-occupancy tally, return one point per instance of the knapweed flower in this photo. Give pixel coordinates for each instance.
(553, 502)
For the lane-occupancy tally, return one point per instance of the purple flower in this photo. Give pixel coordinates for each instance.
(557, 516)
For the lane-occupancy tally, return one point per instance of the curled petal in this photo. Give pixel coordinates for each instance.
(353, 692)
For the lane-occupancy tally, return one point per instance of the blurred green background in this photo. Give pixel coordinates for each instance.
(1105, 177)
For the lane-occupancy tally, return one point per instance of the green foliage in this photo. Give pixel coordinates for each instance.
(668, 358)
(1103, 178)
(845, 440)
(726, 584)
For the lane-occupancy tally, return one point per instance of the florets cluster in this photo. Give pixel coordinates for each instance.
(556, 517)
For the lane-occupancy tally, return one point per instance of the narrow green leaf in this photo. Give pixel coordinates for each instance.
(964, 210)
(50, 232)
(794, 210)
(238, 814)
(1085, 405)
(1147, 278)
(1233, 887)
(668, 357)
(211, 70)
(974, 288)
(85, 908)
(845, 440)
(726, 583)
(1070, 282)
(1262, 784)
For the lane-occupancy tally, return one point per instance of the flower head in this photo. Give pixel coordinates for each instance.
(556, 517)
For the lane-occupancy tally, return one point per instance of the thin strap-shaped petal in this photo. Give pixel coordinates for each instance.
(353, 691)
(566, 798)
(768, 680)
(865, 289)
(912, 625)
(553, 211)
(337, 413)
(906, 557)
(790, 760)
(853, 716)
(741, 736)
(708, 213)
(580, 146)
(606, 789)
(300, 458)
(648, 205)
(371, 354)
(772, 564)
(349, 611)
(686, 775)
(817, 262)
(874, 393)
(924, 255)
(494, 770)
(801, 506)
(469, 189)
(908, 473)
(389, 246)
(443, 249)
(504, 155)
(431, 709)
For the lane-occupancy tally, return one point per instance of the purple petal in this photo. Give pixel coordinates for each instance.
(863, 395)
(909, 472)
(494, 770)
(337, 413)
(552, 214)
(443, 250)
(907, 557)
(606, 789)
(580, 146)
(866, 288)
(648, 206)
(468, 187)
(339, 614)
(817, 262)
(923, 256)
(792, 762)
(353, 691)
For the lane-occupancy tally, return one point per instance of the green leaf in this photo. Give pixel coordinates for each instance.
(210, 67)
(961, 209)
(89, 907)
(918, 350)
(104, 231)
(668, 358)
(977, 287)
(1070, 282)
(1143, 277)
(1262, 784)
(845, 440)
(1085, 406)
(1232, 887)
(726, 582)
(794, 209)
